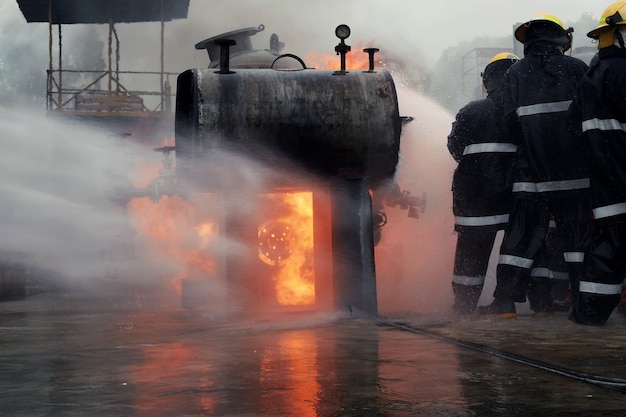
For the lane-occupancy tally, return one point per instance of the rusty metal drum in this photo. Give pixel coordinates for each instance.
(328, 123)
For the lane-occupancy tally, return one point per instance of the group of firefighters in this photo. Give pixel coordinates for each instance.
(547, 145)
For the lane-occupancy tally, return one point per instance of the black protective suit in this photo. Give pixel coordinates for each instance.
(481, 189)
(598, 112)
(550, 178)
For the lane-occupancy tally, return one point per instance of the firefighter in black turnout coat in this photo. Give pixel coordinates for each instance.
(481, 185)
(599, 113)
(550, 178)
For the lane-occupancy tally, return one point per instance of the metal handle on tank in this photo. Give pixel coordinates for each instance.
(297, 58)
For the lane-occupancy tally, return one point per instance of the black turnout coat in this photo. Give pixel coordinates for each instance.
(539, 91)
(479, 142)
(599, 110)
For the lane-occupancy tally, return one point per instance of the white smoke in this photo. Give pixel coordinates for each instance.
(59, 188)
(415, 256)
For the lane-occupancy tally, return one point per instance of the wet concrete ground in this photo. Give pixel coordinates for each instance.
(73, 356)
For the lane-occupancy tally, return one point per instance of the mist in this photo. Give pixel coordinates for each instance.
(415, 256)
(59, 185)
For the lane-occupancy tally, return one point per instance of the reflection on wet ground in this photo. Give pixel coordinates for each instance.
(73, 357)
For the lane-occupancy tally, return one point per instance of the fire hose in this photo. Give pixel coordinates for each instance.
(616, 384)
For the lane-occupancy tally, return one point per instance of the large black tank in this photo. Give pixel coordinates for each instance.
(343, 126)
(334, 125)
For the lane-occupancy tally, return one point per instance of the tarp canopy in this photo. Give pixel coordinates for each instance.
(103, 11)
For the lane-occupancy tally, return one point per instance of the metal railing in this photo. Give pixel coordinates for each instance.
(102, 93)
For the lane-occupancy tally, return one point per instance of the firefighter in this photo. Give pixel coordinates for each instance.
(550, 177)
(598, 113)
(481, 185)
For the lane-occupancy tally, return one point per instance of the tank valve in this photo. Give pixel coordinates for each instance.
(225, 45)
(342, 32)
(370, 52)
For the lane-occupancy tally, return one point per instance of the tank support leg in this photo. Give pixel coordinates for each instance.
(354, 272)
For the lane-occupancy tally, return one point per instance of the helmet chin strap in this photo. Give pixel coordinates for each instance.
(567, 51)
(619, 37)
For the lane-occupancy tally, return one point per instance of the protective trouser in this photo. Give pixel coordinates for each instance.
(540, 282)
(555, 248)
(549, 281)
(525, 236)
(600, 286)
(473, 249)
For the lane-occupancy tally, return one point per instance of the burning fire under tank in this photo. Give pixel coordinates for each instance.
(330, 139)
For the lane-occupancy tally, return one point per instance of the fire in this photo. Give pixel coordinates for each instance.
(294, 279)
(356, 59)
(176, 229)
(184, 232)
(172, 232)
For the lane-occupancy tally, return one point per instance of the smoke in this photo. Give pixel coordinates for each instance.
(415, 256)
(60, 192)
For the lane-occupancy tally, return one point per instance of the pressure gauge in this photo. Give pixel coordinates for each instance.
(342, 31)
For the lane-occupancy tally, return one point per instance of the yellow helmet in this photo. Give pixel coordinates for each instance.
(520, 32)
(613, 16)
(496, 68)
(503, 55)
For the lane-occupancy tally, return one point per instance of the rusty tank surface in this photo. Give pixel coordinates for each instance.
(345, 125)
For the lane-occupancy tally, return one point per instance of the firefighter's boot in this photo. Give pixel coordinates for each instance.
(465, 298)
(540, 296)
(500, 308)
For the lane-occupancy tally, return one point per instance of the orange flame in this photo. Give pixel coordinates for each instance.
(184, 230)
(171, 231)
(356, 59)
(294, 280)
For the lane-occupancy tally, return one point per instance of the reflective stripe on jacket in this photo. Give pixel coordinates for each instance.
(598, 113)
(538, 92)
(481, 185)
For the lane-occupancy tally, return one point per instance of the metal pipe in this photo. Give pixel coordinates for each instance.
(370, 52)
(225, 45)
(342, 49)
(50, 67)
(162, 56)
(110, 53)
(60, 98)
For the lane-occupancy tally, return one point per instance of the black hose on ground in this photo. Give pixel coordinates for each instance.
(616, 384)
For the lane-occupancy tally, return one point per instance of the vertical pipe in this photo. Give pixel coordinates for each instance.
(162, 55)
(50, 67)
(354, 272)
(60, 102)
(370, 52)
(110, 53)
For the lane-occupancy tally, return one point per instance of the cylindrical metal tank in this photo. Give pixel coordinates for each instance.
(332, 124)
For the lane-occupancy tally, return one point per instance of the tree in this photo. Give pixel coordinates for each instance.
(23, 63)
(24, 57)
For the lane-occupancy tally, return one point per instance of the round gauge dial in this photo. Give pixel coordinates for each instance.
(342, 31)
